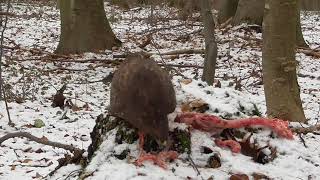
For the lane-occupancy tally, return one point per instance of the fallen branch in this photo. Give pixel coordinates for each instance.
(6, 14)
(42, 140)
(37, 51)
(8, 47)
(305, 130)
(105, 61)
(225, 24)
(67, 159)
(182, 65)
(43, 59)
(76, 158)
(183, 51)
(174, 52)
(310, 52)
(186, 36)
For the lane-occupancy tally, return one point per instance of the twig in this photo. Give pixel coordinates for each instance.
(182, 65)
(42, 140)
(186, 36)
(107, 61)
(36, 51)
(309, 52)
(6, 14)
(303, 141)
(77, 158)
(184, 51)
(72, 173)
(305, 130)
(194, 166)
(168, 53)
(10, 123)
(225, 24)
(28, 165)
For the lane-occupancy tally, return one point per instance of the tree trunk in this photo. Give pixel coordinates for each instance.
(300, 42)
(249, 11)
(84, 27)
(310, 5)
(278, 61)
(210, 43)
(227, 10)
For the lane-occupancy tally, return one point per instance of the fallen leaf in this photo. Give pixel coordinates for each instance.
(13, 167)
(39, 150)
(197, 105)
(28, 126)
(186, 81)
(74, 107)
(214, 161)
(37, 176)
(44, 138)
(239, 177)
(259, 176)
(253, 150)
(26, 160)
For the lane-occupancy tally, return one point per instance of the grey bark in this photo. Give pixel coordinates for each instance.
(210, 43)
(249, 11)
(227, 10)
(310, 5)
(278, 60)
(84, 27)
(300, 42)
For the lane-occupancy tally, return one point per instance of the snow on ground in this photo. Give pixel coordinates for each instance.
(33, 79)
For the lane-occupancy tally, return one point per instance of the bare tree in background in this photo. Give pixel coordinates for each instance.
(251, 12)
(210, 42)
(84, 27)
(227, 10)
(278, 61)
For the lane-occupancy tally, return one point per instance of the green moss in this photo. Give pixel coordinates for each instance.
(126, 133)
(38, 123)
(181, 141)
(103, 124)
(108, 123)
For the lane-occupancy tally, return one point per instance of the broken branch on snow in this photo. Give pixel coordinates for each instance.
(42, 140)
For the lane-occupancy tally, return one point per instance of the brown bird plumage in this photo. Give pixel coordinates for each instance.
(142, 94)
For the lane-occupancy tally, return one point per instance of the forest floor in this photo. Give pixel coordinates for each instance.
(33, 74)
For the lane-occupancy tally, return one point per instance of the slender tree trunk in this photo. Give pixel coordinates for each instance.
(249, 11)
(227, 10)
(278, 60)
(84, 27)
(211, 45)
